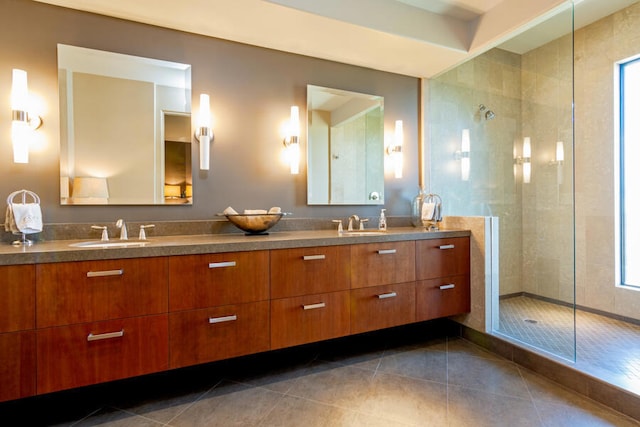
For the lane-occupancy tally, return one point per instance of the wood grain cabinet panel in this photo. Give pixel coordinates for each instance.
(382, 307)
(91, 353)
(442, 297)
(17, 298)
(200, 281)
(304, 271)
(309, 318)
(205, 335)
(17, 365)
(376, 264)
(442, 257)
(89, 291)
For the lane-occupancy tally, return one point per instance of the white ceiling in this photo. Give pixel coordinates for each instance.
(420, 38)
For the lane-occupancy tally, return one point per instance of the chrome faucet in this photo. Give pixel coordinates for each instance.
(351, 218)
(123, 229)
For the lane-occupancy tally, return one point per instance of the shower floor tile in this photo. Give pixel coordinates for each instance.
(605, 348)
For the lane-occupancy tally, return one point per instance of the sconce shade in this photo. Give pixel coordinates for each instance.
(465, 160)
(396, 151)
(526, 164)
(204, 133)
(292, 141)
(295, 121)
(19, 91)
(559, 151)
(19, 118)
(90, 187)
(204, 119)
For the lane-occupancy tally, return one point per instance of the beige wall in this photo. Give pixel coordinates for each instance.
(251, 91)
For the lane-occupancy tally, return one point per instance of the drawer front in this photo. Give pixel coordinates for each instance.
(17, 298)
(200, 281)
(79, 355)
(442, 257)
(18, 365)
(381, 307)
(305, 271)
(309, 318)
(200, 336)
(89, 291)
(442, 297)
(386, 263)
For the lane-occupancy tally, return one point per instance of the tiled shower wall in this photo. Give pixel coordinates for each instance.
(531, 95)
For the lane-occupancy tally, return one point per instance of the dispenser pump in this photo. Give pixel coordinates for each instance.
(382, 222)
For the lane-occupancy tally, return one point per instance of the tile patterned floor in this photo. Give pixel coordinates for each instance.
(373, 380)
(604, 347)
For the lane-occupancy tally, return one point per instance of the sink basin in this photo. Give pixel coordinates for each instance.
(363, 233)
(109, 244)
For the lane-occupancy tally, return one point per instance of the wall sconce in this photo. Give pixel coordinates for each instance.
(559, 161)
(525, 160)
(292, 141)
(204, 132)
(21, 123)
(464, 153)
(394, 150)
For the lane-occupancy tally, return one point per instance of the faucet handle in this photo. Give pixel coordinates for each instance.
(362, 221)
(143, 234)
(339, 222)
(105, 235)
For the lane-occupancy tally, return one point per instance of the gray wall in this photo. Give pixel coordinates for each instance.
(251, 91)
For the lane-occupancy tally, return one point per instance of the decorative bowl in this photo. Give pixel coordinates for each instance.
(255, 223)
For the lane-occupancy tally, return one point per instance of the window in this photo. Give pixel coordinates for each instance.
(629, 173)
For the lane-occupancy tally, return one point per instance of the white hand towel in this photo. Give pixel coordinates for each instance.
(275, 210)
(428, 211)
(230, 211)
(28, 217)
(255, 211)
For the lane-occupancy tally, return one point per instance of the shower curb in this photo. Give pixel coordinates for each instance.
(601, 391)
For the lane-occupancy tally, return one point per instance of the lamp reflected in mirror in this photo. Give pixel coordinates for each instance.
(89, 190)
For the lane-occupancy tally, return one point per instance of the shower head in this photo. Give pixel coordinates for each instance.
(488, 114)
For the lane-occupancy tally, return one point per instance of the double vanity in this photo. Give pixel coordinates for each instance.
(72, 316)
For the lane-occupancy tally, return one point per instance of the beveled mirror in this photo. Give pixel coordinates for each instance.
(345, 154)
(125, 129)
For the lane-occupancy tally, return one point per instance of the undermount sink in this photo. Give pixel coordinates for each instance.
(109, 244)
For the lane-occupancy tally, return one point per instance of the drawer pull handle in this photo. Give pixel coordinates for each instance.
(223, 319)
(442, 247)
(222, 264)
(449, 286)
(106, 336)
(387, 295)
(105, 273)
(312, 257)
(386, 251)
(314, 306)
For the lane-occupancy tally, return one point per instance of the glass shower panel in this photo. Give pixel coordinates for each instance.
(517, 103)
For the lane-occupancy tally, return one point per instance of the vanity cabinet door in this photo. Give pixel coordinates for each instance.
(381, 307)
(309, 318)
(303, 271)
(442, 297)
(200, 281)
(442, 257)
(17, 298)
(91, 353)
(385, 263)
(205, 335)
(89, 291)
(17, 365)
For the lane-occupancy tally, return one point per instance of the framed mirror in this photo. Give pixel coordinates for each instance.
(125, 129)
(345, 154)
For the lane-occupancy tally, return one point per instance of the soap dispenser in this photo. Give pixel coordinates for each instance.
(382, 222)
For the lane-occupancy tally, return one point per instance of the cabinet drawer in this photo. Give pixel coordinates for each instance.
(200, 281)
(17, 298)
(386, 263)
(305, 271)
(79, 355)
(18, 365)
(381, 307)
(205, 335)
(89, 291)
(442, 257)
(309, 318)
(442, 297)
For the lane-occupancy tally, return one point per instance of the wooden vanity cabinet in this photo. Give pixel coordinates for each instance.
(219, 306)
(379, 307)
(17, 334)
(309, 294)
(100, 321)
(443, 270)
(385, 263)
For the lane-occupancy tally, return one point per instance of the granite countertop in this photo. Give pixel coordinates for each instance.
(61, 251)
